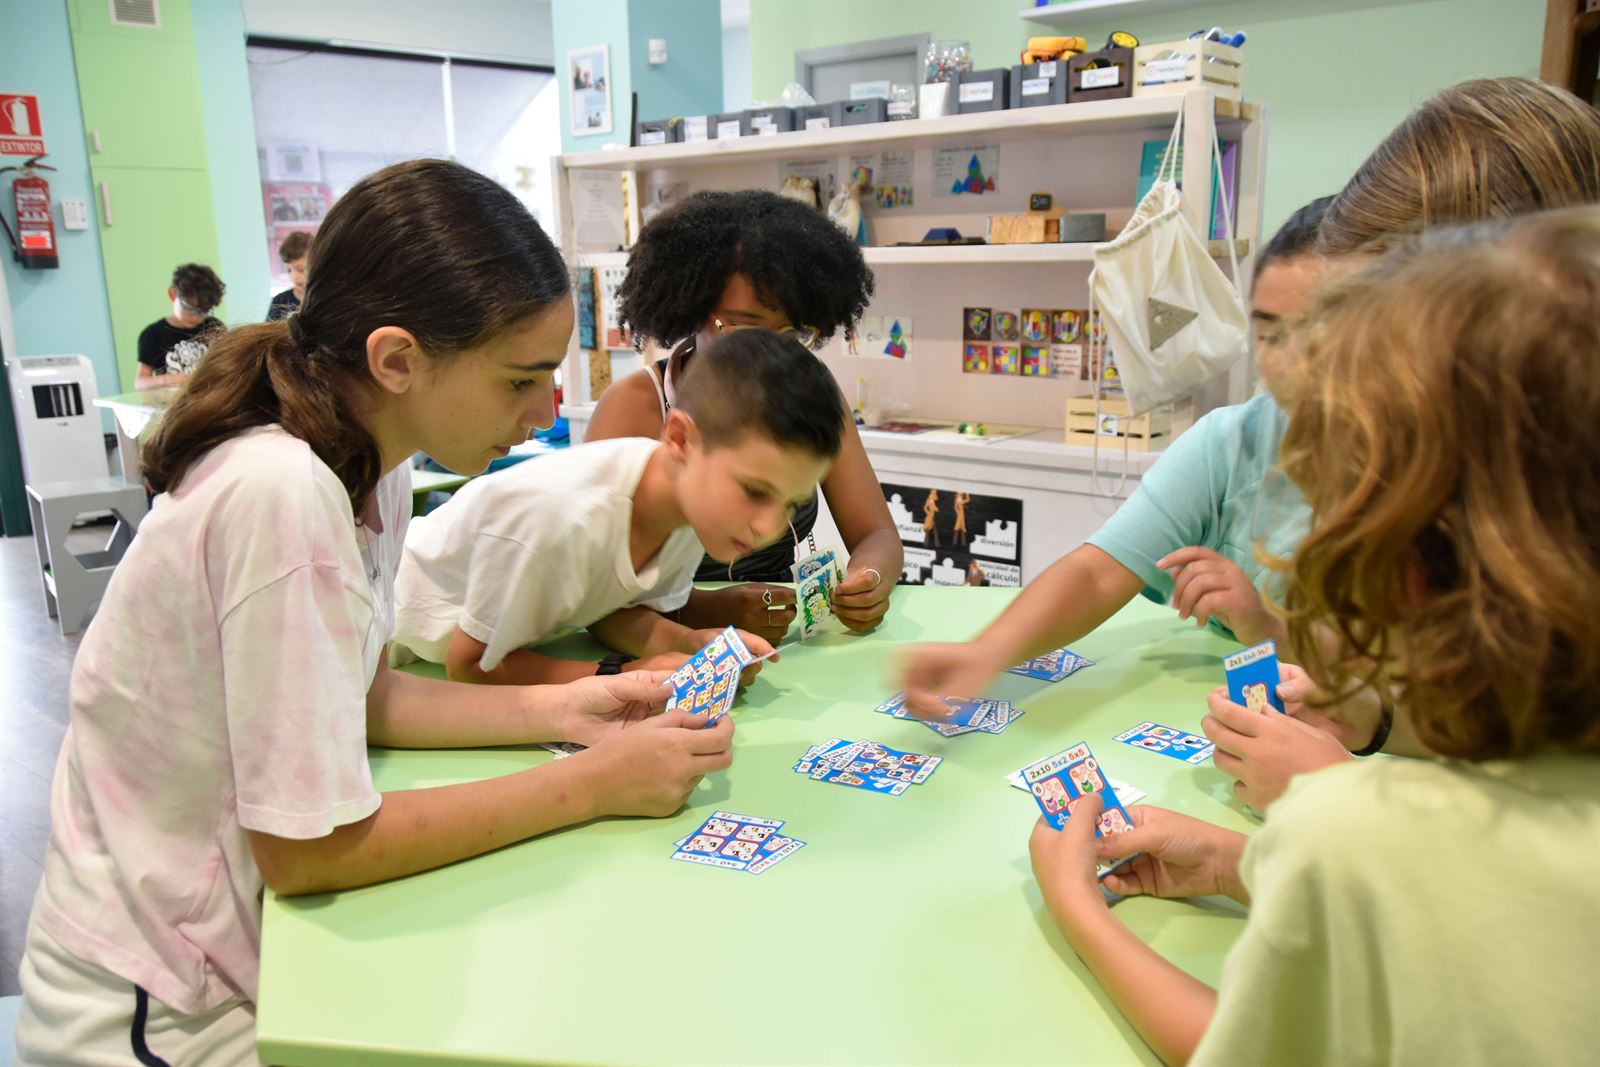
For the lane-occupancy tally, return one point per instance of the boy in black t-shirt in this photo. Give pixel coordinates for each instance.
(294, 250)
(170, 347)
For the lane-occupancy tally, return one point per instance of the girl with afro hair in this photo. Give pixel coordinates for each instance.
(733, 260)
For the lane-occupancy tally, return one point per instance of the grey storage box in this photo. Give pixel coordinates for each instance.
(1039, 84)
(726, 125)
(762, 121)
(982, 90)
(860, 112)
(1079, 227)
(820, 116)
(662, 131)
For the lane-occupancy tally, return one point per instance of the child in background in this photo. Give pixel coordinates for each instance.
(171, 347)
(1206, 491)
(1431, 910)
(293, 252)
(1478, 150)
(234, 756)
(721, 260)
(608, 535)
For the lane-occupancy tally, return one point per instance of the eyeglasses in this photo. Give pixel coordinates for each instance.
(806, 335)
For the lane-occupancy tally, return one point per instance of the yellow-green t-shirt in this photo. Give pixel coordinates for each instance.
(1420, 912)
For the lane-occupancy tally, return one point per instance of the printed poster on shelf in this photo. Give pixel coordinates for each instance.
(952, 537)
(970, 170)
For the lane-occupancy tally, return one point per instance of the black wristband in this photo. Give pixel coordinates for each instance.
(1380, 738)
(612, 664)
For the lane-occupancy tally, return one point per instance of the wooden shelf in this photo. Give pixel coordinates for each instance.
(1027, 123)
(1067, 16)
(951, 255)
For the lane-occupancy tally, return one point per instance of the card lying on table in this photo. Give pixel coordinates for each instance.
(866, 765)
(1060, 782)
(967, 716)
(1052, 666)
(1253, 677)
(1191, 748)
(737, 843)
(709, 681)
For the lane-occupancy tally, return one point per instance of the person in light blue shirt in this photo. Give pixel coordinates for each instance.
(1188, 534)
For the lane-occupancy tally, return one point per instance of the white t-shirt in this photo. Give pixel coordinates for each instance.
(534, 550)
(1420, 912)
(221, 687)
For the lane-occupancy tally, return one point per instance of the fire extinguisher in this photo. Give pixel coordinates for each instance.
(34, 243)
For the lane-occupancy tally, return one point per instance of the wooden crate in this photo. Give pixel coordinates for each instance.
(1207, 64)
(1143, 432)
(1024, 229)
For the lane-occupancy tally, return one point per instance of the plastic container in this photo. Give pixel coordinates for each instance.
(1039, 84)
(945, 61)
(983, 90)
(861, 112)
(819, 116)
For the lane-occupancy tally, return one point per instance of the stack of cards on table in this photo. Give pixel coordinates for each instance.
(866, 765)
(815, 579)
(1191, 748)
(1059, 784)
(708, 682)
(966, 716)
(1126, 792)
(1253, 677)
(1052, 666)
(738, 843)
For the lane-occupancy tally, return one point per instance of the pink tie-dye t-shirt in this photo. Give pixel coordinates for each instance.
(221, 687)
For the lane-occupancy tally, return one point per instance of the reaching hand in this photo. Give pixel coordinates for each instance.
(1182, 857)
(929, 672)
(862, 599)
(1263, 749)
(652, 770)
(1207, 584)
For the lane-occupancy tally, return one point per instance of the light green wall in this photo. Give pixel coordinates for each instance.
(1336, 76)
(231, 160)
(141, 90)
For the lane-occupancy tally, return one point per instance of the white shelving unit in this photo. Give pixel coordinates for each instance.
(1066, 16)
(1087, 155)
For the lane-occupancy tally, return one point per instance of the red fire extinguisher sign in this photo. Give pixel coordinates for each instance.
(20, 131)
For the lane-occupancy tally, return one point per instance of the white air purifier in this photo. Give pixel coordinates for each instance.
(58, 425)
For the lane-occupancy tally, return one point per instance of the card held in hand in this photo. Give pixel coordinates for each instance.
(1253, 677)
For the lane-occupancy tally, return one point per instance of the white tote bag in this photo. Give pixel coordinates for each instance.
(1170, 316)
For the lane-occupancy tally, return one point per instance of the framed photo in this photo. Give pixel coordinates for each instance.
(589, 78)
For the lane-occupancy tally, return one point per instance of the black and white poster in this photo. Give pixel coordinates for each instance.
(957, 538)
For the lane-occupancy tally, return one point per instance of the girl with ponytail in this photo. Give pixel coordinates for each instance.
(224, 696)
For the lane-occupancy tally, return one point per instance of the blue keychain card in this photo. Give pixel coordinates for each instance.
(1060, 782)
(1253, 677)
(707, 683)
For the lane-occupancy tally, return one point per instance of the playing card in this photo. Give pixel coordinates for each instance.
(708, 682)
(867, 765)
(1190, 748)
(855, 779)
(1126, 793)
(773, 852)
(1060, 782)
(561, 749)
(814, 563)
(814, 595)
(1253, 677)
(1052, 666)
(1003, 716)
(728, 840)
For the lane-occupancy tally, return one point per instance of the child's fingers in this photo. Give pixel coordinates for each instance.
(1185, 556)
(779, 595)
(1235, 717)
(1193, 586)
(710, 740)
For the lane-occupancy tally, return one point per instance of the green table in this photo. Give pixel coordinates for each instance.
(132, 413)
(908, 930)
(425, 482)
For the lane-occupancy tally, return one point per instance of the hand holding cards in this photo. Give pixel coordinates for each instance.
(1058, 783)
(1253, 677)
(966, 716)
(1052, 666)
(709, 681)
(815, 579)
